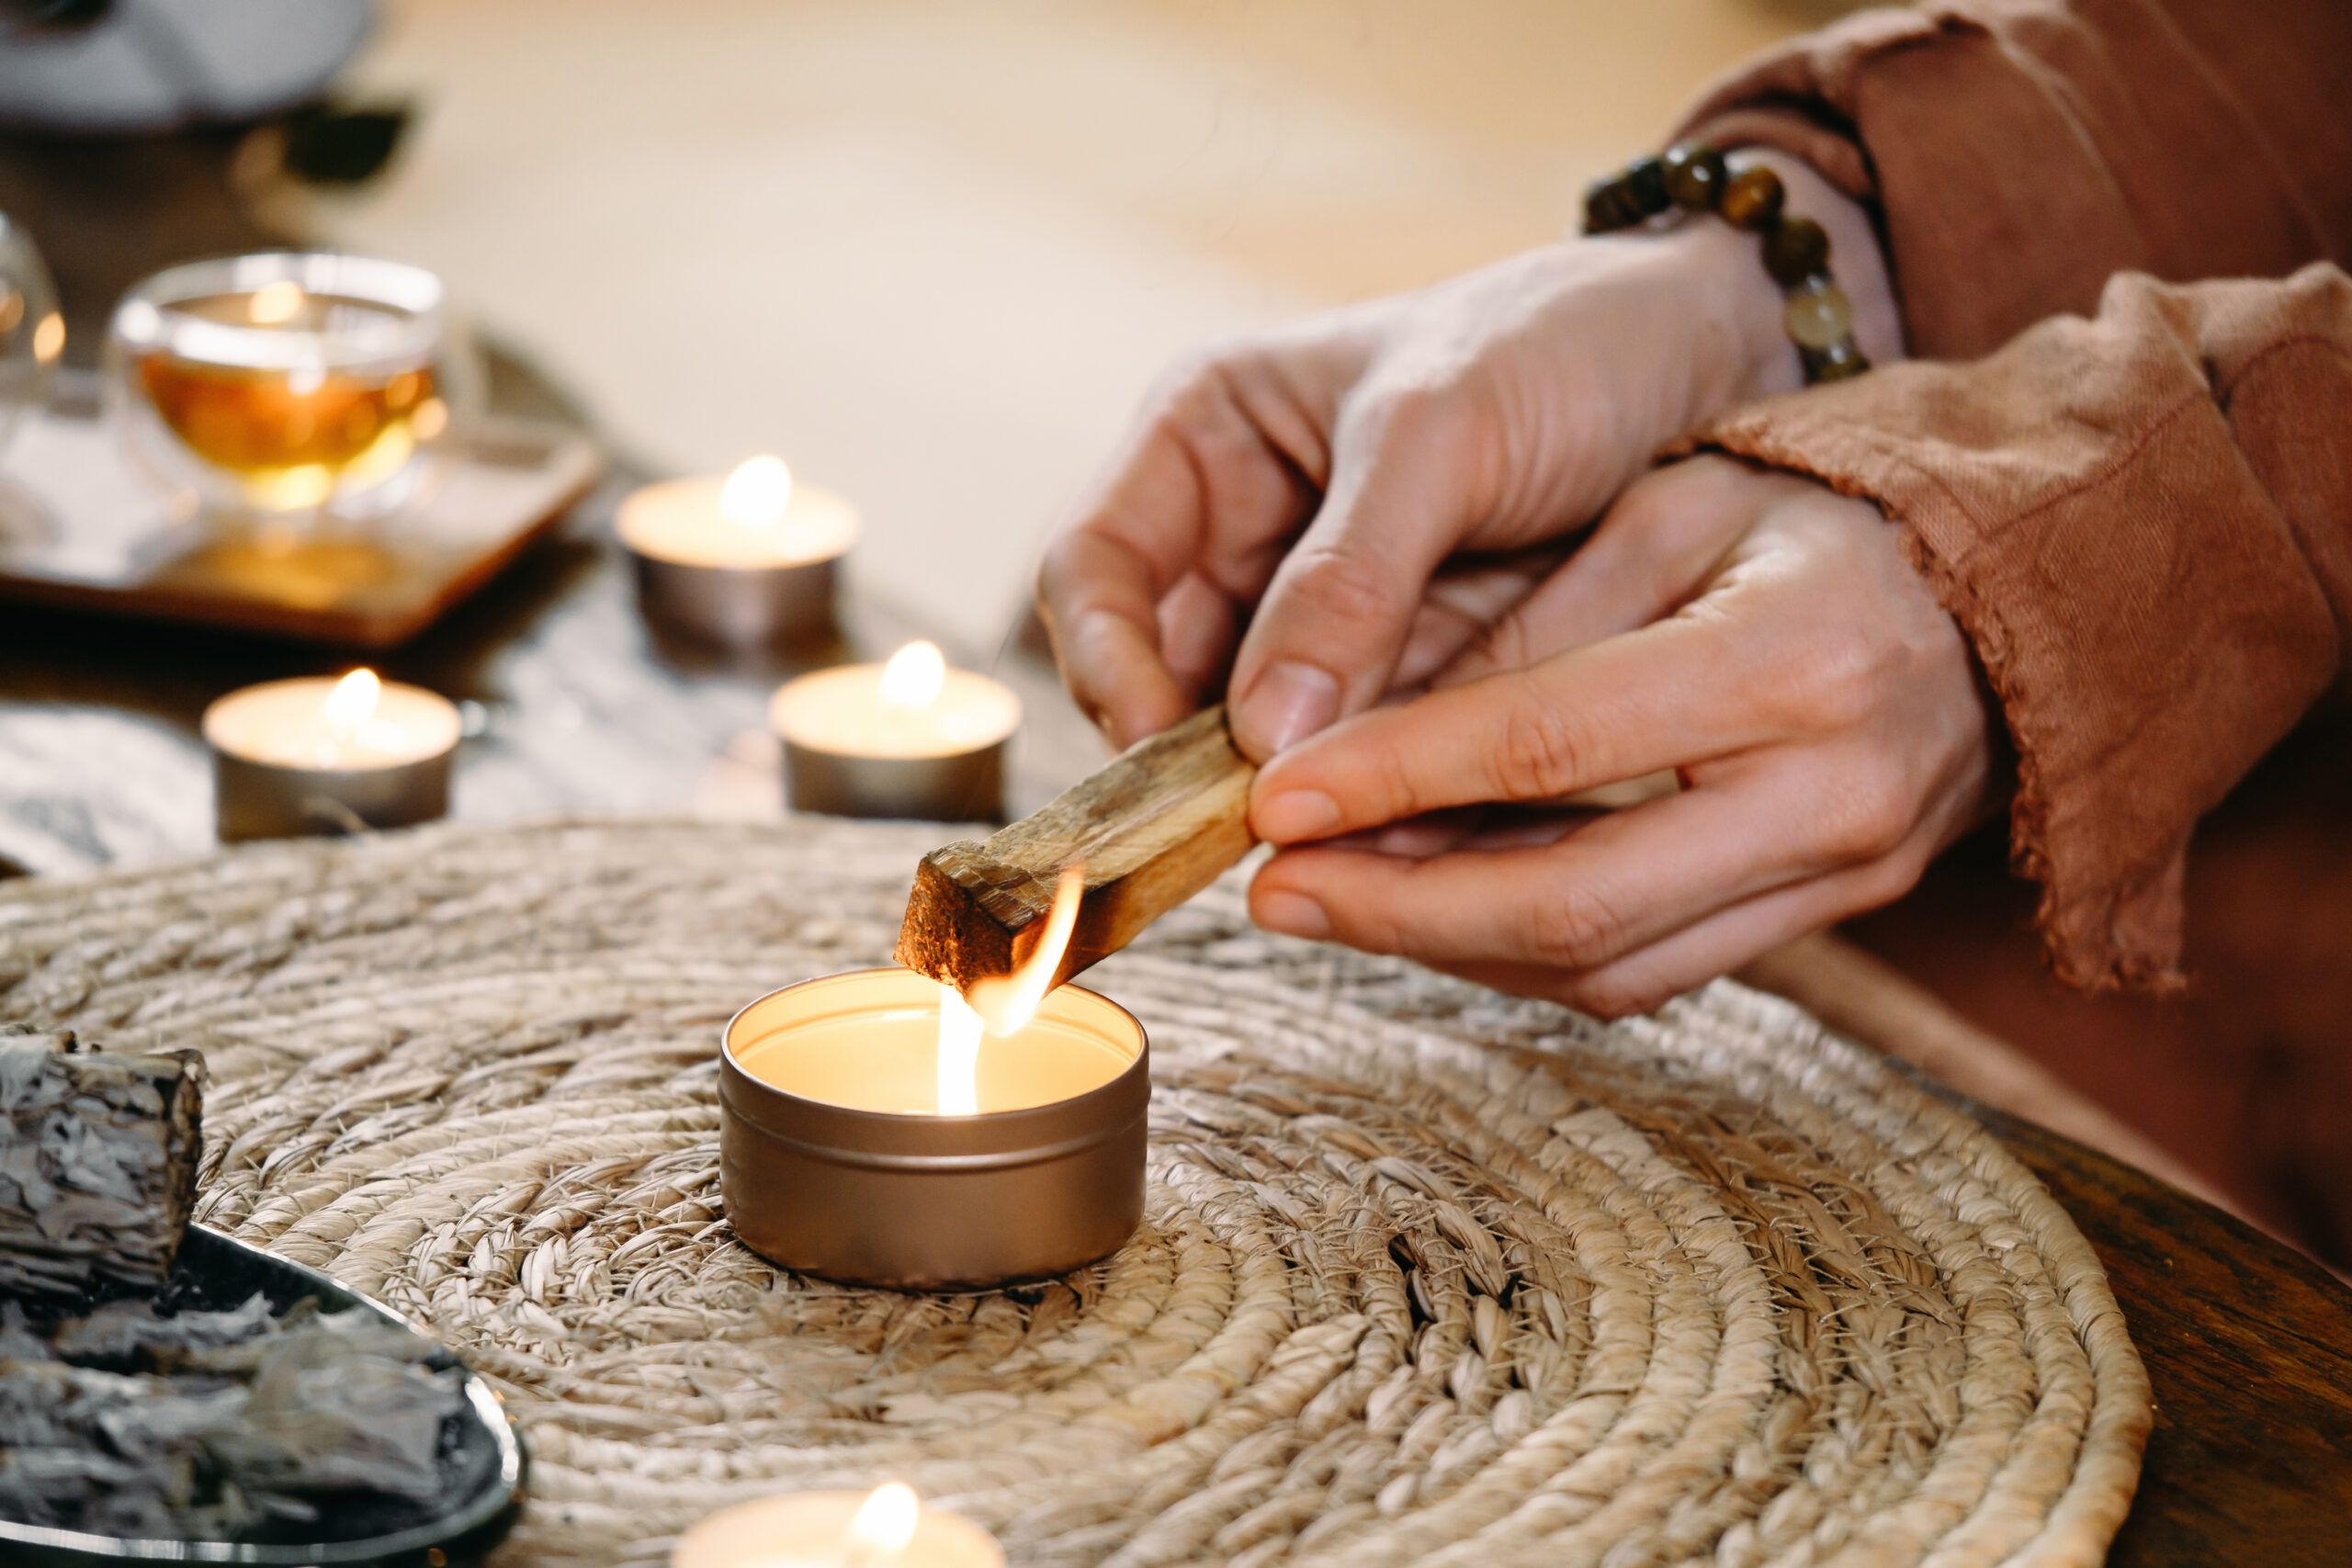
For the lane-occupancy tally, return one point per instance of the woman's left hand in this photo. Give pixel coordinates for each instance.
(1757, 634)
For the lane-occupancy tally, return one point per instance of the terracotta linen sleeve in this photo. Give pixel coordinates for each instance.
(2020, 153)
(2142, 522)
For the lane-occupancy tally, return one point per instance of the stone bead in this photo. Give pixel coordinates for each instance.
(1752, 200)
(1645, 178)
(1794, 250)
(1819, 314)
(1694, 174)
(1609, 205)
(1842, 361)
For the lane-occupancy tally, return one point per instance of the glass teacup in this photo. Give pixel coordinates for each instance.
(286, 386)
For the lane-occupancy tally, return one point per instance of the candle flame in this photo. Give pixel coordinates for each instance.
(275, 302)
(353, 701)
(913, 676)
(1001, 1004)
(1007, 1002)
(757, 493)
(959, 1055)
(883, 1526)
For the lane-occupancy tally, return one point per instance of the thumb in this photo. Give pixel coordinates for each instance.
(1334, 620)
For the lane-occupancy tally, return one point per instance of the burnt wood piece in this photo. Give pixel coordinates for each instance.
(97, 1165)
(1154, 827)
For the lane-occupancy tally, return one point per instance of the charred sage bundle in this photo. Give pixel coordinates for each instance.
(97, 1163)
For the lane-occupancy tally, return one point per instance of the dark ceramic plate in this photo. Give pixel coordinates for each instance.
(482, 1453)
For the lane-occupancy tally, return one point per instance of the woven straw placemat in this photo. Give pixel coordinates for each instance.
(1426, 1275)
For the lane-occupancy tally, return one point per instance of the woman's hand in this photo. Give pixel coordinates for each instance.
(1755, 632)
(1320, 484)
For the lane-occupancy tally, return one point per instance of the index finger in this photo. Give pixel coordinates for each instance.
(1674, 693)
(1210, 485)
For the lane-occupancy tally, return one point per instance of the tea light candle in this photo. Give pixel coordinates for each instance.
(887, 1528)
(314, 755)
(910, 737)
(876, 1128)
(741, 561)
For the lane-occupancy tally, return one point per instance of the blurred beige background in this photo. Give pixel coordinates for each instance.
(933, 254)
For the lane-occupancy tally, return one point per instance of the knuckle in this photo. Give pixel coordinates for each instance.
(1340, 586)
(1429, 411)
(1865, 817)
(1539, 753)
(1576, 928)
(1199, 401)
(1833, 680)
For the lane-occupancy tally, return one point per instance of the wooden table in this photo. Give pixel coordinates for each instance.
(2249, 1346)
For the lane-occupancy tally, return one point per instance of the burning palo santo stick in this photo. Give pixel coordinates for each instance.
(1150, 829)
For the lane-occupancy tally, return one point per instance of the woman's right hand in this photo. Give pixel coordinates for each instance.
(1321, 484)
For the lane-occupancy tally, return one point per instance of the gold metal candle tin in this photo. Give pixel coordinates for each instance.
(921, 1200)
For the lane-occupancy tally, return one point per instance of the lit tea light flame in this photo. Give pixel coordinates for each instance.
(914, 676)
(883, 1526)
(351, 718)
(757, 493)
(1009, 1001)
(1001, 1005)
(274, 304)
(353, 701)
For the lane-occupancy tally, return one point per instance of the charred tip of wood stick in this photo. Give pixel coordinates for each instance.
(937, 941)
(1150, 828)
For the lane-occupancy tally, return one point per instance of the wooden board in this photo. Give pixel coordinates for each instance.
(79, 528)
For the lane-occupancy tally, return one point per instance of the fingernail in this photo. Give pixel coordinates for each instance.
(1296, 814)
(1284, 707)
(1292, 914)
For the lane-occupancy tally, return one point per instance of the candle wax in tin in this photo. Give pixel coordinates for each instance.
(683, 521)
(811, 1529)
(844, 710)
(888, 1060)
(292, 724)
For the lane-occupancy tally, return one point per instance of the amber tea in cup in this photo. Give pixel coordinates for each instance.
(284, 385)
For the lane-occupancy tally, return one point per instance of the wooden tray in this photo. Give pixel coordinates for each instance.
(79, 528)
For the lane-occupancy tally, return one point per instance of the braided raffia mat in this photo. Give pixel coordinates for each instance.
(1427, 1275)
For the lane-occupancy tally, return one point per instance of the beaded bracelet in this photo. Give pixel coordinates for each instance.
(1692, 176)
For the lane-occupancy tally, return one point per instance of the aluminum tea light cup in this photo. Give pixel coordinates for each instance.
(835, 1161)
(744, 562)
(316, 756)
(909, 739)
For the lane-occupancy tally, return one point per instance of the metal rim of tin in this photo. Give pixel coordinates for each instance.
(918, 1201)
